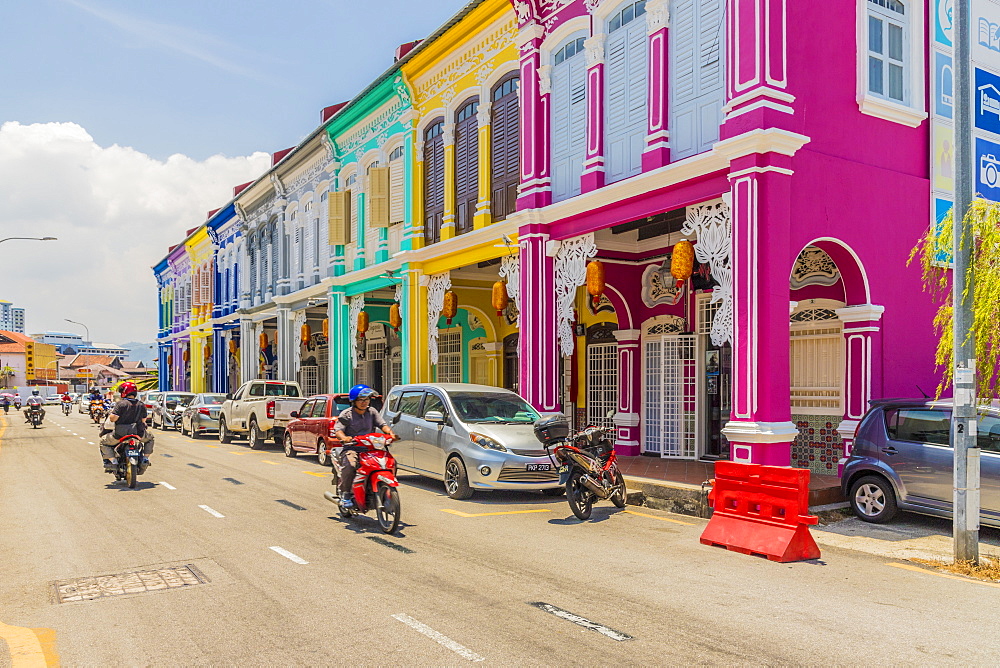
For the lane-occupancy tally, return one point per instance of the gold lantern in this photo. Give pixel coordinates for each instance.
(595, 280)
(170, 359)
(262, 340)
(450, 308)
(232, 346)
(682, 262)
(305, 333)
(395, 317)
(326, 328)
(362, 323)
(186, 355)
(500, 297)
(207, 353)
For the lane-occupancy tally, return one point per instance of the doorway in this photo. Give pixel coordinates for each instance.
(669, 389)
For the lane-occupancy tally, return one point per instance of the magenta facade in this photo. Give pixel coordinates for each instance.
(818, 201)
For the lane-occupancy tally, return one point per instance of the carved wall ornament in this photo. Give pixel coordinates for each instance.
(658, 286)
(814, 315)
(570, 273)
(279, 187)
(355, 306)
(595, 49)
(592, 5)
(475, 323)
(300, 319)
(544, 79)
(448, 135)
(401, 89)
(814, 266)
(437, 285)
(480, 52)
(484, 116)
(712, 224)
(510, 269)
(671, 324)
(524, 12)
(657, 15)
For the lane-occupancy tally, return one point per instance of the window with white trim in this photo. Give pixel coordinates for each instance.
(890, 60)
(886, 49)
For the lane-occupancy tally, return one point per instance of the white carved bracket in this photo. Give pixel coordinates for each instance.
(570, 273)
(437, 285)
(355, 306)
(300, 319)
(712, 224)
(510, 268)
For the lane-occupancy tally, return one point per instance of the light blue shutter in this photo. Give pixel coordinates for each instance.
(569, 126)
(627, 57)
(711, 71)
(697, 41)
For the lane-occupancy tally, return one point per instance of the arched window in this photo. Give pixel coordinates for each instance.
(466, 165)
(505, 148)
(569, 118)
(433, 181)
(625, 99)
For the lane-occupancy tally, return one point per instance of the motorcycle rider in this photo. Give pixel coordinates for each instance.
(5, 404)
(34, 401)
(67, 401)
(128, 417)
(360, 419)
(94, 400)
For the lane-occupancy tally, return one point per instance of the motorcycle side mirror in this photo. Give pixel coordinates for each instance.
(395, 418)
(293, 414)
(437, 417)
(611, 414)
(229, 396)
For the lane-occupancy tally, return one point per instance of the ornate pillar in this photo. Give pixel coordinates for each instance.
(494, 360)
(355, 305)
(536, 93)
(539, 350)
(483, 215)
(197, 360)
(657, 152)
(862, 366)
(220, 361)
(249, 350)
(341, 373)
(298, 319)
(361, 241)
(415, 233)
(448, 219)
(629, 381)
(593, 176)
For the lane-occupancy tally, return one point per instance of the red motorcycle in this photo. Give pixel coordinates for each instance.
(374, 483)
(589, 469)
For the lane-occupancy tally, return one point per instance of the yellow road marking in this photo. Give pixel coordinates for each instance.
(210, 446)
(30, 647)
(657, 517)
(509, 512)
(233, 452)
(3, 427)
(918, 569)
(318, 475)
(270, 462)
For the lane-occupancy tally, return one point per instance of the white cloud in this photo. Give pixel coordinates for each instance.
(115, 212)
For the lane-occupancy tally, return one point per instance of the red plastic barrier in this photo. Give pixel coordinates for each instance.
(761, 510)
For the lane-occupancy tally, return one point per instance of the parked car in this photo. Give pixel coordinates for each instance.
(149, 399)
(902, 460)
(168, 408)
(260, 409)
(201, 414)
(83, 403)
(311, 428)
(53, 399)
(469, 436)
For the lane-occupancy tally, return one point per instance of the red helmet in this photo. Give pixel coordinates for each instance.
(127, 389)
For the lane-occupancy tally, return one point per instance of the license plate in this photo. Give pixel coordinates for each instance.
(539, 467)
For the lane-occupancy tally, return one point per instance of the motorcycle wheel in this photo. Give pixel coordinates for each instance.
(131, 474)
(580, 499)
(618, 496)
(387, 508)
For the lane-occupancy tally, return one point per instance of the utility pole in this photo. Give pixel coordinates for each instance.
(966, 499)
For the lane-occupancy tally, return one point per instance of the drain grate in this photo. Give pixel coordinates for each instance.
(135, 582)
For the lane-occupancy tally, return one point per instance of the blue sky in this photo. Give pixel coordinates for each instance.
(198, 77)
(123, 123)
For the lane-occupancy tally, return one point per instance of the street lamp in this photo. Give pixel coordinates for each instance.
(29, 239)
(81, 325)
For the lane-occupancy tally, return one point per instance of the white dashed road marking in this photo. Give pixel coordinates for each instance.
(168, 486)
(582, 621)
(288, 555)
(439, 638)
(208, 510)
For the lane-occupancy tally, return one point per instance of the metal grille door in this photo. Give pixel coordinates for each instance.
(309, 380)
(449, 366)
(670, 396)
(602, 383)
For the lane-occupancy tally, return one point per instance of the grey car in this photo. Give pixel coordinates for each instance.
(902, 460)
(202, 414)
(472, 437)
(168, 408)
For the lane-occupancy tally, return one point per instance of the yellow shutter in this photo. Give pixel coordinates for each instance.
(378, 195)
(338, 204)
(396, 191)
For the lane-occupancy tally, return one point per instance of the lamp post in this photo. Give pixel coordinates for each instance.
(29, 239)
(87, 329)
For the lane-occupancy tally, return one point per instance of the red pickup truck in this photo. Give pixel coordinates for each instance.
(311, 430)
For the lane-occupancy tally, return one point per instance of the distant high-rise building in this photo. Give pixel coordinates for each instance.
(11, 319)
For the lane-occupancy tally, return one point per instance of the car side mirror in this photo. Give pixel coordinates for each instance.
(437, 417)
(229, 396)
(293, 414)
(395, 418)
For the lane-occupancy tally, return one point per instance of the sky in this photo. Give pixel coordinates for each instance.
(122, 123)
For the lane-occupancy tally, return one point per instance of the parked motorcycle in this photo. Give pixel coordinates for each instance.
(586, 462)
(374, 483)
(131, 461)
(35, 417)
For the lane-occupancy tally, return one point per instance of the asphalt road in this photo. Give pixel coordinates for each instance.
(457, 584)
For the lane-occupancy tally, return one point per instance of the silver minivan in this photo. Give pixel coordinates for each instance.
(469, 436)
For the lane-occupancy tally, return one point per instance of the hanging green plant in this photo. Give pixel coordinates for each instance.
(935, 251)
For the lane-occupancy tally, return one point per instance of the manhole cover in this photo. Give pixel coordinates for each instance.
(135, 582)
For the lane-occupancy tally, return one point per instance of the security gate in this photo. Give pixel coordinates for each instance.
(669, 370)
(602, 383)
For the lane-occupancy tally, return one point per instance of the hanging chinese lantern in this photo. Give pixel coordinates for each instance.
(326, 328)
(395, 317)
(186, 356)
(232, 346)
(500, 297)
(682, 262)
(450, 308)
(362, 323)
(262, 340)
(170, 359)
(595, 280)
(207, 353)
(305, 333)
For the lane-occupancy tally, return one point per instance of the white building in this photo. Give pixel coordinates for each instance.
(11, 319)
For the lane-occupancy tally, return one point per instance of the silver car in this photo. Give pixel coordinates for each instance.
(202, 414)
(168, 408)
(470, 436)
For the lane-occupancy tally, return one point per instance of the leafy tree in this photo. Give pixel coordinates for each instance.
(935, 251)
(5, 374)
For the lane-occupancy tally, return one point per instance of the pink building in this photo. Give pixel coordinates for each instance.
(788, 141)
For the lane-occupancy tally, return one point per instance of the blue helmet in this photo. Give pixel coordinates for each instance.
(360, 392)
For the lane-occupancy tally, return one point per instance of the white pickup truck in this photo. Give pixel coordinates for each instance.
(260, 409)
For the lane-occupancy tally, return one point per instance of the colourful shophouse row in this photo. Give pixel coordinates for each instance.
(524, 140)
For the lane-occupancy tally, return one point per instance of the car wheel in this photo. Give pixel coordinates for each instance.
(322, 458)
(289, 449)
(192, 432)
(873, 499)
(558, 491)
(224, 435)
(456, 479)
(255, 437)
(181, 428)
